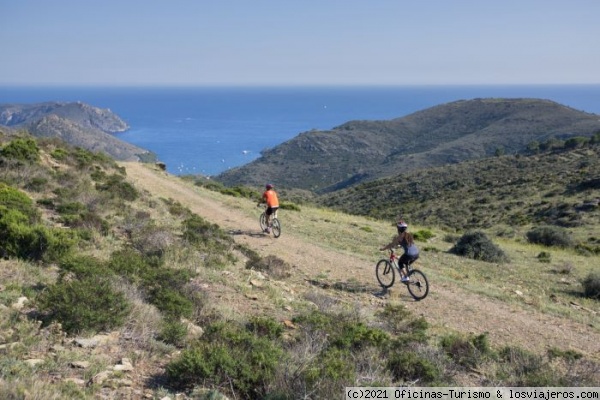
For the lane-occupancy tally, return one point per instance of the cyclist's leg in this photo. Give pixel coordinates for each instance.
(404, 262)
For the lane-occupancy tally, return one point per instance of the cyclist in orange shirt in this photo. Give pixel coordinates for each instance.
(270, 197)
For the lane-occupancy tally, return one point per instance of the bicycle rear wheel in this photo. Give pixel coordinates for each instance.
(276, 226)
(385, 273)
(263, 221)
(418, 286)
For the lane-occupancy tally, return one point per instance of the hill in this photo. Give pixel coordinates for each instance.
(359, 151)
(119, 280)
(76, 123)
(560, 187)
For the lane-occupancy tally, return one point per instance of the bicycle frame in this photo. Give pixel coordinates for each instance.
(394, 261)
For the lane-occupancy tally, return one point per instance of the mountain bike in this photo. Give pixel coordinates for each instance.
(275, 225)
(417, 283)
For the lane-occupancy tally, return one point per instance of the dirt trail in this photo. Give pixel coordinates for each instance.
(446, 306)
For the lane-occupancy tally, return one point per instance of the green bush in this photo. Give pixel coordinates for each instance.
(466, 351)
(227, 355)
(550, 236)
(286, 205)
(14, 199)
(172, 303)
(83, 266)
(423, 235)
(408, 366)
(22, 150)
(544, 257)
(478, 246)
(265, 327)
(356, 335)
(118, 188)
(18, 238)
(86, 305)
(173, 332)
(334, 367)
(591, 285)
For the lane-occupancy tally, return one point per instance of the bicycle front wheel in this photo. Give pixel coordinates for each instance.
(263, 221)
(276, 226)
(385, 273)
(418, 287)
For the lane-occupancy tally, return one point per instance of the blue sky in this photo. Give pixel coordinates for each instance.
(303, 42)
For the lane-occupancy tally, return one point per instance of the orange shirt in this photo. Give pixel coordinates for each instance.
(271, 198)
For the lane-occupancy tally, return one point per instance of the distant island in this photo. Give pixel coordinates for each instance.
(76, 123)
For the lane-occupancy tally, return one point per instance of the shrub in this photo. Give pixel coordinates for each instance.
(172, 303)
(591, 285)
(22, 150)
(478, 246)
(544, 257)
(83, 266)
(549, 236)
(423, 235)
(334, 367)
(18, 238)
(466, 351)
(14, 199)
(286, 205)
(118, 188)
(227, 355)
(87, 305)
(265, 327)
(408, 366)
(173, 332)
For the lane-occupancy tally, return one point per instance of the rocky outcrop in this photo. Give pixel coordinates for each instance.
(77, 123)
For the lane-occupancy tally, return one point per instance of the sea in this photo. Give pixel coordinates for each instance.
(208, 130)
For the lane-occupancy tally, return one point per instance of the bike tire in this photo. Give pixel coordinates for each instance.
(385, 273)
(263, 222)
(418, 286)
(276, 228)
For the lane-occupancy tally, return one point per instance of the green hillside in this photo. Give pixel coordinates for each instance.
(360, 151)
(559, 187)
(116, 282)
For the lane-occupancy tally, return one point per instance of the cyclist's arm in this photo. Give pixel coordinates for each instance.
(391, 245)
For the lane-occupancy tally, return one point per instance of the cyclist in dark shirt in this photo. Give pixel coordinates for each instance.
(406, 240)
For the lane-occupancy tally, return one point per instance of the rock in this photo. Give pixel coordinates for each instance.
(80, 364)
(86, 343)
(20, 303)
(100, 378)
(125, 365)
(193, 331)
(32, 362)
(76, 381)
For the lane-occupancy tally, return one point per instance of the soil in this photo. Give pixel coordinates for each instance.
(446, 307)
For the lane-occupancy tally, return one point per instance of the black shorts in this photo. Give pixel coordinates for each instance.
(407, 260)
(271, 210)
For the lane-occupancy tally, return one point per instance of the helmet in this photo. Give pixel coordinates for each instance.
(401, 225)
(269, 186)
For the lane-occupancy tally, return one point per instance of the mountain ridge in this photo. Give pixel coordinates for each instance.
(358, 151)
(77, 123)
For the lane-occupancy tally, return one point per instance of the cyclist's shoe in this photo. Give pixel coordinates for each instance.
(268, 230)
(405, 279)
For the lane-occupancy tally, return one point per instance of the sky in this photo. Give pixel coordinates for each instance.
(302, 42)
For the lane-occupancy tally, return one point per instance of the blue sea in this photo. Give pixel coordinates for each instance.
(207, 130)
